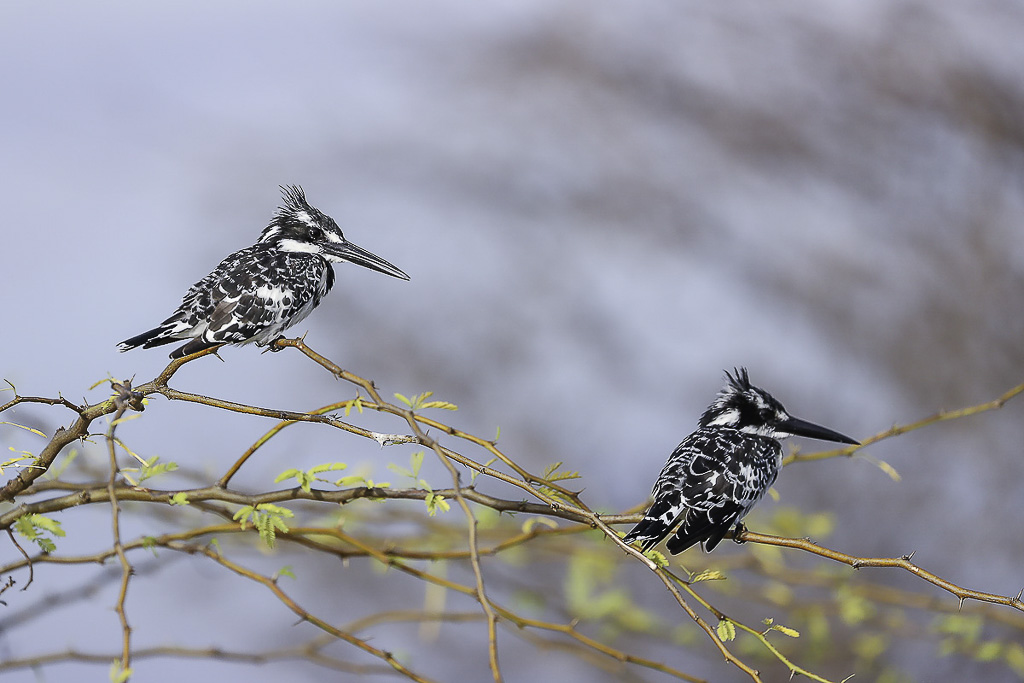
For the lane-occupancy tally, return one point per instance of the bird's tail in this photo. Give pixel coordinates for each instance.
(648, 532)
(195, 346)
(656, 524)
(689, 535)
(158, 336)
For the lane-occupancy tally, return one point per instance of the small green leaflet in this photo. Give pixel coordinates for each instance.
(708, 575)
(147, 469)
(419, 402)
(726, 630)
(179, 498)
(415, 463)
(552, 474)
(267, 519)
(118, 674)
(34, 527)
(28, 429)
(435, 502)
(305, 478)
(785, 630)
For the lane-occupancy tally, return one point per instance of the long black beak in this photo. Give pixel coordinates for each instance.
(346, 251)
(798, 427)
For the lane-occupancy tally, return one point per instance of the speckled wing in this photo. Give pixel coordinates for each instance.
(709, 483)
(254, 296)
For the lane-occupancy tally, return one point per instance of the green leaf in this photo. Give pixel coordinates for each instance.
(787, 631)
(435, 502)
(47, 524)
(149, 543)
(726, 630)
(286, 571)
(148, 468)
(356, 403)
(416, 462)
(179, 498)
(287, 474)
(34, 527)
(443, 405)
(266, 518)
(305, 478)
(551, 473)
(28, 429)
(708, 575)
(419, 402)
(328, 467)
(118, 674)
(401, 471)
(657, 557)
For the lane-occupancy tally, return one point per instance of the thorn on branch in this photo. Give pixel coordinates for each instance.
(909, 557)
(3, 589)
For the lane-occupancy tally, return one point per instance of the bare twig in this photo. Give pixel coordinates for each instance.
(897, 430)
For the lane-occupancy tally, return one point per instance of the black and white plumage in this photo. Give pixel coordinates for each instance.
(255, 294)
(720, 471)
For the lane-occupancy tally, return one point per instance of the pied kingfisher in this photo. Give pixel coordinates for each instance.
(257, 293)
(719, 472)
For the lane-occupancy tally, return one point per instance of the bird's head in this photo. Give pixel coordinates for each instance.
(744, 407)
(299, 227)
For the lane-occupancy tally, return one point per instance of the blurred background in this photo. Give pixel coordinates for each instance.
(601, 208)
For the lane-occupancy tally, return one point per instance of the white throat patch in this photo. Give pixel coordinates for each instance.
(297, 247)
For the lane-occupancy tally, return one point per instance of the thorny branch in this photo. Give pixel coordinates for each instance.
(545, 499)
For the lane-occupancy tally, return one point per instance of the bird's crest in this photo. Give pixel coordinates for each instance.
(741, 405)
(294, 216)
(739, 379)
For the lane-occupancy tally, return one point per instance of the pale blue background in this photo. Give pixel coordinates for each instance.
(600, 206)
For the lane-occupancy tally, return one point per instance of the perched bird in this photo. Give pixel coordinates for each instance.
(255, 294)
(719, 472)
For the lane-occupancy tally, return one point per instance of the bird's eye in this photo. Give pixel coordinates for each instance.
(315, 233)
(767, 414)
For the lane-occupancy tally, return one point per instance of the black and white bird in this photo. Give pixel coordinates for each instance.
(719, 472)
(255, 294)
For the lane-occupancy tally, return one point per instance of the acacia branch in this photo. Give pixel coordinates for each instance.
(897, 430)
(271, 585)
(899, 562)
(310, 652)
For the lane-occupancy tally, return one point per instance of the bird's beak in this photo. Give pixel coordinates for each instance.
(798, 427)
(346, 251)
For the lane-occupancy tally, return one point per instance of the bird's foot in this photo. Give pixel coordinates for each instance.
(273, 346)
(738, 532)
